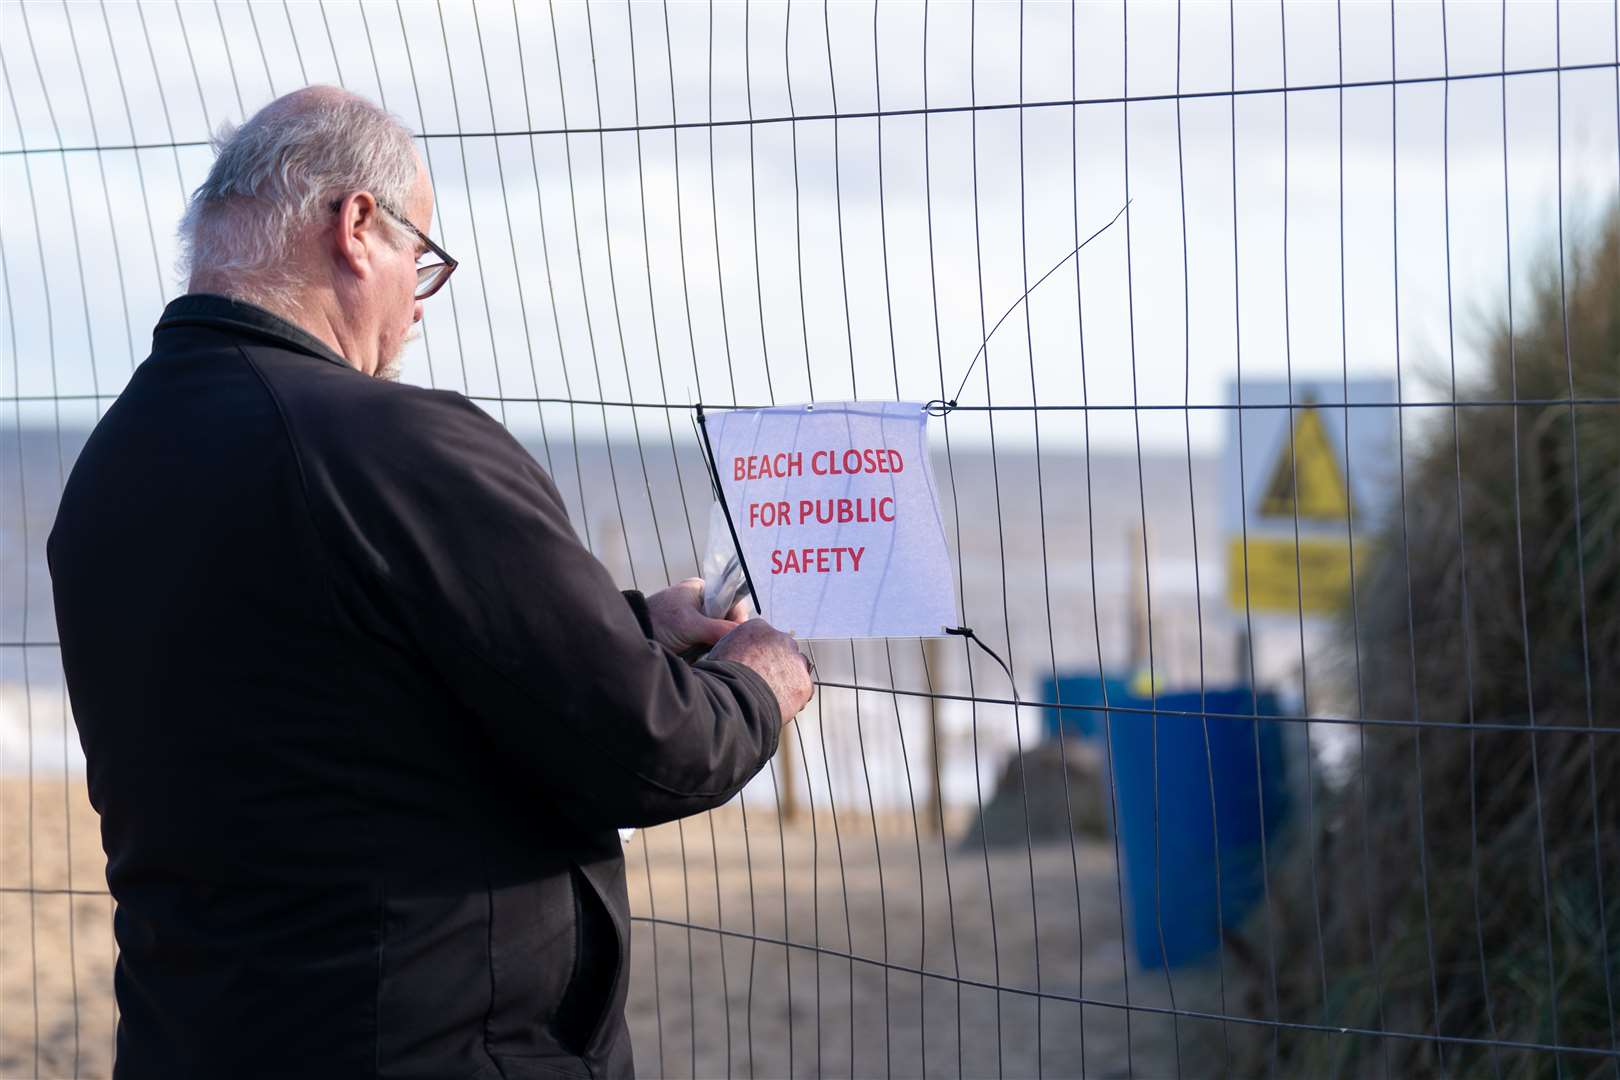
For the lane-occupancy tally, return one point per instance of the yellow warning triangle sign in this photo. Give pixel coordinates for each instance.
(1307, 478)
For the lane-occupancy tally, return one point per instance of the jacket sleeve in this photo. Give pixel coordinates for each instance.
(638, 607)
(470, 542)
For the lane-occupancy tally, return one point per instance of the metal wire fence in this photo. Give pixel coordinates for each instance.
(659, 206)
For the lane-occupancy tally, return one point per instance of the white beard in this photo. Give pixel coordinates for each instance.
(390, 367)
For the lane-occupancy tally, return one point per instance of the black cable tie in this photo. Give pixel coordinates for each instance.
(986, 343)
(939, 406)
(720, 494)
(967, 632)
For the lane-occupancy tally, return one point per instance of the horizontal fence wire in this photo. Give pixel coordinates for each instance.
(950, 868)
(880, 114)
(677, 406)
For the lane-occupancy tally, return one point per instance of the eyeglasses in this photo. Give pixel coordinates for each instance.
(430, 278)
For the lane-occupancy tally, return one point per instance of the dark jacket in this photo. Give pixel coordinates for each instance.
(361, 716)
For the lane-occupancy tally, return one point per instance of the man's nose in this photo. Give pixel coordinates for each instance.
(416, 312)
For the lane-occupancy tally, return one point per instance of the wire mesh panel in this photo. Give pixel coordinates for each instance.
(1276, 355)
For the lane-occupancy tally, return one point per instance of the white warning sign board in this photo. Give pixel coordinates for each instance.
(835, 509)
(1305, 487)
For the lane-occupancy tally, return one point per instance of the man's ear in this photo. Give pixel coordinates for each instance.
(358, 231)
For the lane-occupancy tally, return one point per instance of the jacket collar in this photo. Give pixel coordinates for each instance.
(224, 313)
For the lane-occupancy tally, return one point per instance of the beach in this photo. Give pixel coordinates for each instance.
(1048, 579)
(709, 1004)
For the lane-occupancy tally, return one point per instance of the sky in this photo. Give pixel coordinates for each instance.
(1361, 231)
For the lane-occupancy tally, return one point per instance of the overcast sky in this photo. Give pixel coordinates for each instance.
(591, 266)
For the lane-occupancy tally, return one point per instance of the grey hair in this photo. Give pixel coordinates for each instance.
(276, 174)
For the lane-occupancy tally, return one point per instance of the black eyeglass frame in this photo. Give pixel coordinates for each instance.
(446, 260)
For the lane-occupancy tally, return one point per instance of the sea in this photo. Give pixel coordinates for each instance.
(1063, 561)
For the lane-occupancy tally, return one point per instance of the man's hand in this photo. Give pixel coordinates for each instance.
(678, 621)
(775, 657)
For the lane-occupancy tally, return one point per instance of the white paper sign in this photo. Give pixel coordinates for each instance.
(837, 515)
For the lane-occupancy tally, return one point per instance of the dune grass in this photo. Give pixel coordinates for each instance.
(1468, 881)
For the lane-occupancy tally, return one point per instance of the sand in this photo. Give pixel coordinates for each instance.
(56, 949)
(717, 1005)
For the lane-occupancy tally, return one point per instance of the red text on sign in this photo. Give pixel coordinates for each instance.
(817, 560)
(767, 466)
(846, 511)
(853, 462)
(841, 511)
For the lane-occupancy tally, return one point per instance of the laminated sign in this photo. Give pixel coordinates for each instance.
(1309, 472)
(835, 513)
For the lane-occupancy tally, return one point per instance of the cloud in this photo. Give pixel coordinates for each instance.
(832, 279)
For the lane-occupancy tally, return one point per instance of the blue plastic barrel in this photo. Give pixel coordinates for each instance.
(1170, 844)
(1084, 694)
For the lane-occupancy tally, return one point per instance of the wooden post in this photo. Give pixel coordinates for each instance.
(934, 667)
(1137, 613)
(790, 790)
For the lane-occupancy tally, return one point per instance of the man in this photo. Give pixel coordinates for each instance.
(361, 715)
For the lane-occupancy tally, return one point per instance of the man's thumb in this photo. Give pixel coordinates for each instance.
(710, 631)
